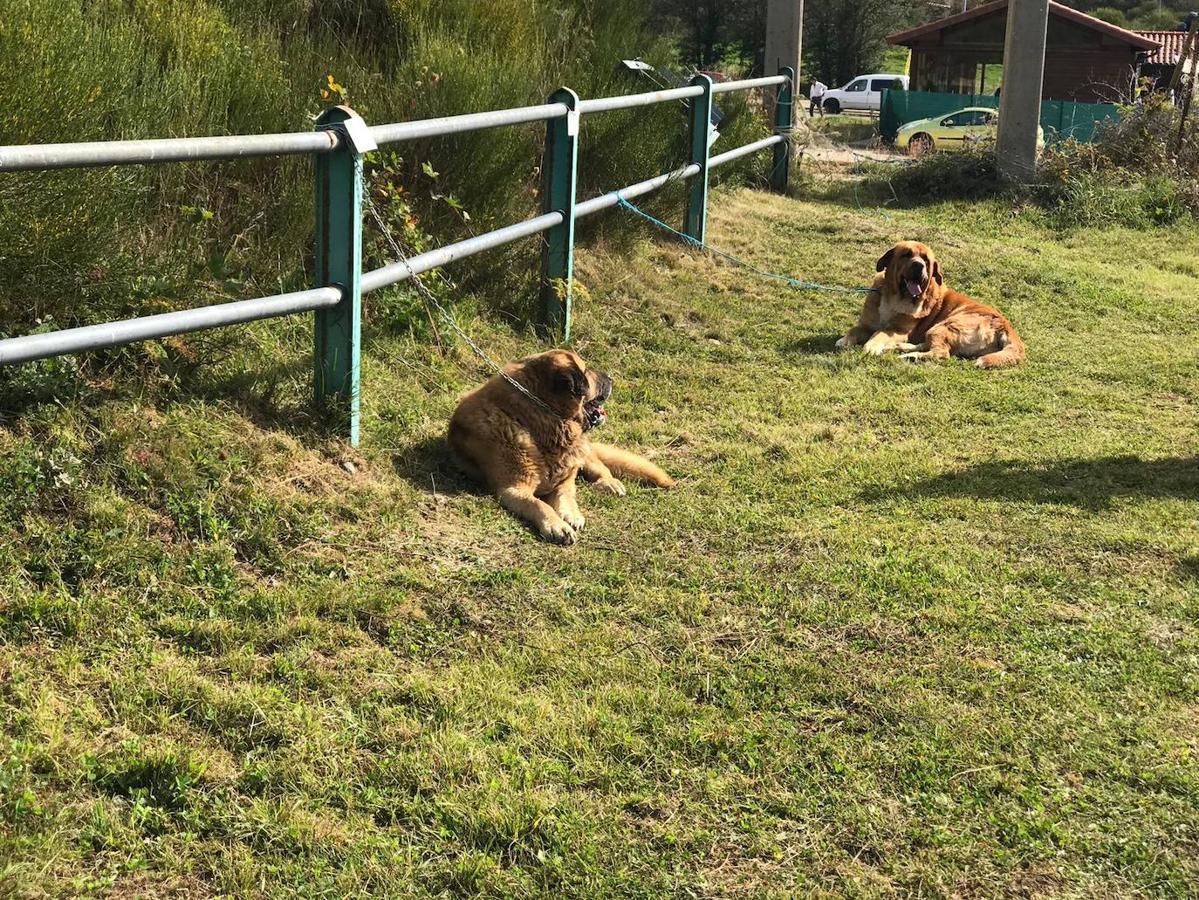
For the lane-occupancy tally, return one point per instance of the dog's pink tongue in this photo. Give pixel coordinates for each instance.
(914, 289)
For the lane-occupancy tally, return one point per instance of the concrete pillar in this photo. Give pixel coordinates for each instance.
(784, 39)
(1020, 100)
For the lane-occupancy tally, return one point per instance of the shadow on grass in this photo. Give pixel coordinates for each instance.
(1188, 568)
(1086, 483)
(427, 464)
(813, 345)
(277, 397)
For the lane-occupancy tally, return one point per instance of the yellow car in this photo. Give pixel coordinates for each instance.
(953, 131)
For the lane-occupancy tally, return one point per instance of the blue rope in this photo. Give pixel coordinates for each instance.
(700, 245)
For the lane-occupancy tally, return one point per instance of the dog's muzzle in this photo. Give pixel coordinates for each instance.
(594, 414)
(915, 282)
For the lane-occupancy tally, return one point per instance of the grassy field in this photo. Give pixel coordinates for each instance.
(900, 631)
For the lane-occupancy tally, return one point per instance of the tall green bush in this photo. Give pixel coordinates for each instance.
(89, 245)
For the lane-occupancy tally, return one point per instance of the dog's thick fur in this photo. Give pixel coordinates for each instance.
(909, 309)
(528, 457)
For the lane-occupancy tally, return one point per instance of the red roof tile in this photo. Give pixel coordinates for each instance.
(1171, 47)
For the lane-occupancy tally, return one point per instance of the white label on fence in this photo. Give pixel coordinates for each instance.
(572, 123)
(360, 135)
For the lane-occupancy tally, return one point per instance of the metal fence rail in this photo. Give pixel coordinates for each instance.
(123, 153)
(409, 131)
(113, 334)
(785, 77)
(338, 146)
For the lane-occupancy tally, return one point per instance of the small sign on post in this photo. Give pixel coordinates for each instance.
(338, 329)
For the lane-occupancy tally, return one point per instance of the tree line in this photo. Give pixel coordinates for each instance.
(844, 38)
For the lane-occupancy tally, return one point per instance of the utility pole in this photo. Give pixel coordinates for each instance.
(784, 39)
(1023, 78)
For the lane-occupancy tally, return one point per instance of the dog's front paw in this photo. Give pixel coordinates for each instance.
(611, 486)
(883, 343)
(916, 356)
(574, 519)
(559, 532)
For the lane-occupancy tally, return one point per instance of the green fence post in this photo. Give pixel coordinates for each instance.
(695, 221)
(338, 329)
(559, 172)
(784, 102)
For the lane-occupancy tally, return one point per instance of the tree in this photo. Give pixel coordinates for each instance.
(1112, 16)
(715, 33)
(1150, 15)
(846, 38)
(839, 35)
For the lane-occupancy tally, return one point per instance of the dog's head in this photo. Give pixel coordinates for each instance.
(563, 381)
(913, 273)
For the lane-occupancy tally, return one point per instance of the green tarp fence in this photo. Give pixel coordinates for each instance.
(1060, 119)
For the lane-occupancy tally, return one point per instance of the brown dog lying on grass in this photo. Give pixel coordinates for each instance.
(530, 451)
(911, 310)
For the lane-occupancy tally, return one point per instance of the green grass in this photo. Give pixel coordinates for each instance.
(901, 630)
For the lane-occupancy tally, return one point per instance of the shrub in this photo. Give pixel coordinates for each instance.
(91, 245)
(968, 175)
(1137, 173)
(1141, 170)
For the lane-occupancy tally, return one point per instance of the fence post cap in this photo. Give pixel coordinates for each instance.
(565, 95)
(344, 120)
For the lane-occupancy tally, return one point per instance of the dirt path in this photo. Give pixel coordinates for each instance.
(847, 156)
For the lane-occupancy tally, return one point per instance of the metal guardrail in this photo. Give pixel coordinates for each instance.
(408, 131)
(123, 153)
(113, 334)
(338, 146)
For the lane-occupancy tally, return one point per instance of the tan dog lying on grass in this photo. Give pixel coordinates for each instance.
(530, 451)
(911, 310)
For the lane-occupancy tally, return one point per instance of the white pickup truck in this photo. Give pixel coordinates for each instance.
(864, 93)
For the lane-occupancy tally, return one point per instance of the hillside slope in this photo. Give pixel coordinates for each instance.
(81, 247)
(1147, 14)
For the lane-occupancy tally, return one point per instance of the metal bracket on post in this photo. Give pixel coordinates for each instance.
(695, 221)
(784, 120)
(338, 329)
(559, 173)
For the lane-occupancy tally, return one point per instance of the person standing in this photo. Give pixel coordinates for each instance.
(816, 97)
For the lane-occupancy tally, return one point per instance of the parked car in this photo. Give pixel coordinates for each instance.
(864, 93)
(953, 131)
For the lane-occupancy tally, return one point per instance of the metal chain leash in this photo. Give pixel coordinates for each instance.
(430, 298)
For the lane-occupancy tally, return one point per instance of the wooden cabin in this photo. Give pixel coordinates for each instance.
(1087, 60)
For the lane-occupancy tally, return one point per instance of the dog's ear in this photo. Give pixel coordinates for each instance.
(937, 276)
(885, 260)
(570, 383)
